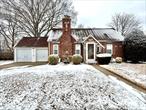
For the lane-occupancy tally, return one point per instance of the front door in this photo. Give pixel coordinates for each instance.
(90, 53)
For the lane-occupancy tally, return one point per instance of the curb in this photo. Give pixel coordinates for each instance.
(124, 77)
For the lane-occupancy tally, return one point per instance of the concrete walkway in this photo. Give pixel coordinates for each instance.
(22, 64)
(107, 73)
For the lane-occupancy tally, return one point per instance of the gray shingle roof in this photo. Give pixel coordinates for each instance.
(81, 33)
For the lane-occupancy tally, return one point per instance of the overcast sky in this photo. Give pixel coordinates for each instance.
(98, 13)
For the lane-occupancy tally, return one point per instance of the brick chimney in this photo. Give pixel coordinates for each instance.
(66, 41)
(66, 24)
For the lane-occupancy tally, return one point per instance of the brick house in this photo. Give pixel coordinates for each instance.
(87, 42)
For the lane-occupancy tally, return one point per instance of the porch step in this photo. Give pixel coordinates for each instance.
(91, 62)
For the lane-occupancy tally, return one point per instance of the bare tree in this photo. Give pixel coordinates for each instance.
(8, 31)
(125, 23)
(31, 18)
(38, 17)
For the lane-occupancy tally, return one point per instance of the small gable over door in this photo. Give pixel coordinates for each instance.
(90, 38)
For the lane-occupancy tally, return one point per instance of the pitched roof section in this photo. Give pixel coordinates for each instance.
(98, 33)
(33, 42)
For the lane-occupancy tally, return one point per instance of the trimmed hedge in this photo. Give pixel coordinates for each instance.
(76, 59)
(66, 59)
(53, 59)
(135, 47)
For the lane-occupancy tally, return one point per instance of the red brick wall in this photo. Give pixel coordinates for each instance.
(51, 48)
(117, 49)
(66, 44)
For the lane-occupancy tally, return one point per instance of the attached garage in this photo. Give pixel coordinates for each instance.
(23, 54)
(42, 54)
(34, 49)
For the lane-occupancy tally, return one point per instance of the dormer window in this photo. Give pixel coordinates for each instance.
(98, 49)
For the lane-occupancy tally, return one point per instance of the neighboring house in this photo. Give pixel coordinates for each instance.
(87, 42)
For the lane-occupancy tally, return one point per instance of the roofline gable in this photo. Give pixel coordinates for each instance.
(95, 40)
(16, 43)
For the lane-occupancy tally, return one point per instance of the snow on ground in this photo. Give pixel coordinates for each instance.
(65, 87)
(134, 72)
(4, 62)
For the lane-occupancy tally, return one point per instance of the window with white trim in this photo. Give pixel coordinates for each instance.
(109, 48)
(55, 48)
(77, 49)
(98, 49)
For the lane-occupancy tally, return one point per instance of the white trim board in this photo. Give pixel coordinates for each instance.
(90, 60)
(95, 40)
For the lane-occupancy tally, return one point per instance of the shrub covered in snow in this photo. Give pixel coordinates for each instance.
(76, 59)
(66, 59)
(135, 47)
(104, 58)
(118, 60)
(53, 59)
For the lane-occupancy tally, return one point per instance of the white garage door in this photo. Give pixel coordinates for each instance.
(24, 55)
(42, 55)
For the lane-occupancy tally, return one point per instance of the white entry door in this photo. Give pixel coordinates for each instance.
(42, 54)
(90, 53)
(24, 55)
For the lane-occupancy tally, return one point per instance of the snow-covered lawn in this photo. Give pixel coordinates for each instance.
(65, 87)
(133, 72)
(4, 62)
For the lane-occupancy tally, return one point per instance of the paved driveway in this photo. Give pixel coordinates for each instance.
(22, 64)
